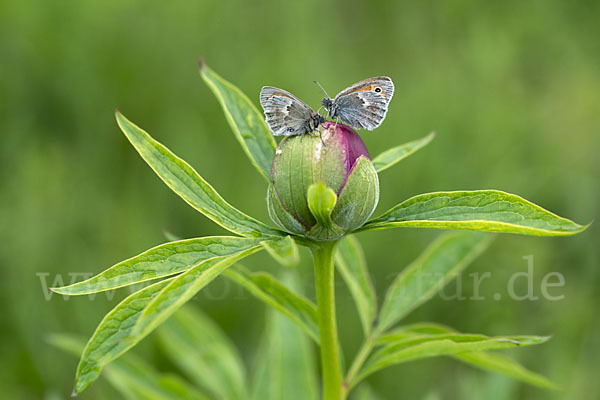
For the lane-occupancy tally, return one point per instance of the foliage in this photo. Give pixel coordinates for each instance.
(187, 266)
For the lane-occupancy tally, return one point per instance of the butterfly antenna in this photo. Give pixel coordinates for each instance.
(321, 88)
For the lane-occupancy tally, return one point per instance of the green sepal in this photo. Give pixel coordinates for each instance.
(358, 198)
(321, 202)
(301, 162)
(280, 215)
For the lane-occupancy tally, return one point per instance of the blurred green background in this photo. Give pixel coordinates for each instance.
(512, 89)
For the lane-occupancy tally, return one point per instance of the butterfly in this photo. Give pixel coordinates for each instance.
(362, 105)
(286, 114)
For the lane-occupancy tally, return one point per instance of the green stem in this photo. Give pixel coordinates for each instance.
(323, 255)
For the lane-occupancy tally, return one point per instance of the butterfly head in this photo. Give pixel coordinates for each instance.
(330, 106)
(327, 102)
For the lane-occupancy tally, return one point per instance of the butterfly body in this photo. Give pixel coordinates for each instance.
(362, 105)
(285, 114)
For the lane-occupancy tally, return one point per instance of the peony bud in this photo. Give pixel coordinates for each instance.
(334, 162)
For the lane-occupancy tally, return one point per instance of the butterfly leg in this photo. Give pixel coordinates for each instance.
(337, 120)
(321, 137)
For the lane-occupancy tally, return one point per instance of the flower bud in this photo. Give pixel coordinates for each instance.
(334, 161)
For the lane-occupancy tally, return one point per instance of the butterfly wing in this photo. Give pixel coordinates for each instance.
(285, 113)
(365, 104)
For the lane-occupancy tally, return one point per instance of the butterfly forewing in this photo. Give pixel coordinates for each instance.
(285, 113)
(369, 114)
(371, 84)
(364, 104)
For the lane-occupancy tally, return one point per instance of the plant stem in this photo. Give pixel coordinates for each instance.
(323, 256)
(358, 362)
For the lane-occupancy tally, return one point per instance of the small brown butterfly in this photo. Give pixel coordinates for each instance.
(362, 105)
(286, 114)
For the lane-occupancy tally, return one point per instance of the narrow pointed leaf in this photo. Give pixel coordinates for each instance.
(365, 392)
(284, 251)
(488, 361)
(159, 262)
(134, 378)
(350, 262)
(194, 343)
(429, 328)
(392, 156)
(268, 289)
(120, 329)
(501, 364)
(190, 186)
(480, 210)
(286, 364)
(143, 383)
(403, 348)
(109, 340)
(248, 124)
(321, 202)
(430, 272)
(171, 237)
(181, 289)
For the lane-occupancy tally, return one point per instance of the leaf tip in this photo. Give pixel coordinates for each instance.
(201, 63)
(57, 290)
(73, 394)
(118, 115)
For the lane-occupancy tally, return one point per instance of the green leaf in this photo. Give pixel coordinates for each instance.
(365, 392)
(67, 343)
(265, 287)
(351, 264)
(171, 237)
(190, 186)
(506, 366)
(132, 377)
(121, 329)
(181, 289)
(247, 122)
(143, 383)
(431, 271)
(109, 340)
(286, 364)
(321, 201)
(284, 251)
(481, 210)
(487, 361)
(402, 347)
(392, 156)
(159, 262)
(194, 343)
